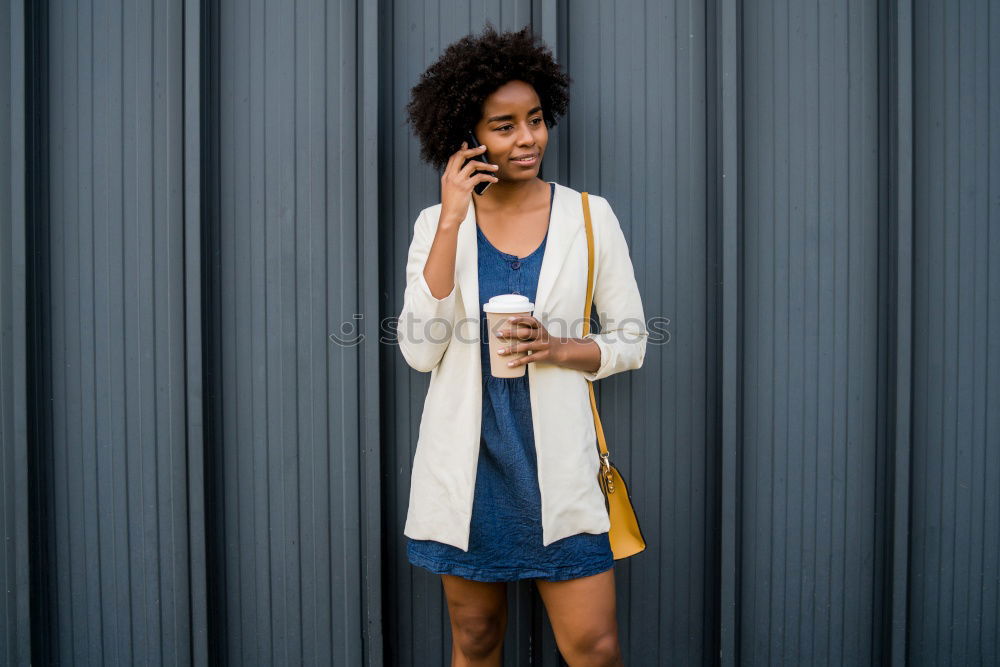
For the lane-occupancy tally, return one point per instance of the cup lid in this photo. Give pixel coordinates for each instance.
(508, 303)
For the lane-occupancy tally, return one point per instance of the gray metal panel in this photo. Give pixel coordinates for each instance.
(112, 509)
(954, 594)
(810, 279)
(15, 625)
(285, 467)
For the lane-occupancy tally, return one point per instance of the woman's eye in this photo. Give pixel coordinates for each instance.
(504, 128)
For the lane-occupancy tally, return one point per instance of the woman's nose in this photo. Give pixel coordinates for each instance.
(525, 137)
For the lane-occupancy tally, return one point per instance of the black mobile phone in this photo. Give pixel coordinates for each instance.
(479, 188)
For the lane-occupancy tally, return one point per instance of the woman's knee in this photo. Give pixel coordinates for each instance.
(479, 634)
(596, 648)
(478, 613)
(606, 650)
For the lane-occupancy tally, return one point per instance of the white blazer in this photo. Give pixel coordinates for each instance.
(442, 336)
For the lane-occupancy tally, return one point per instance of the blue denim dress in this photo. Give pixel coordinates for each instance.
(505, 539)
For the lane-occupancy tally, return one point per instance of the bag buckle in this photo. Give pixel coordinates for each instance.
(609, 478)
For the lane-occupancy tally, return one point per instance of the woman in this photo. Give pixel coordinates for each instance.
(504, 480)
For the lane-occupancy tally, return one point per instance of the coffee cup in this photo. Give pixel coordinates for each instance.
(498, 310)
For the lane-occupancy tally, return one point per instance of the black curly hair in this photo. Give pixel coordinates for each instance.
(448, 99)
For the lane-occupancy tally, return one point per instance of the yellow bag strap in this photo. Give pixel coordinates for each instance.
(587, 306)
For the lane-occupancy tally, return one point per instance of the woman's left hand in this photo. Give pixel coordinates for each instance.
(524, 332)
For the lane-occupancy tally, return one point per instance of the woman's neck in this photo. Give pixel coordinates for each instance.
(510, 197)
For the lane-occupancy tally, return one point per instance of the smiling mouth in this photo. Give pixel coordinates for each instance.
(526, 160)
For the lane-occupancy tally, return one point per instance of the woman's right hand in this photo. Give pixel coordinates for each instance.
(457, 182)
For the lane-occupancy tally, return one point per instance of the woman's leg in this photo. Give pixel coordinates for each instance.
(582, 612)
(478, 613)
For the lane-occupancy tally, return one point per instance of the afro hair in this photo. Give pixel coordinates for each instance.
(449, 97)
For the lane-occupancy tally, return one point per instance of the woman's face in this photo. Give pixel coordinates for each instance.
(512, 126)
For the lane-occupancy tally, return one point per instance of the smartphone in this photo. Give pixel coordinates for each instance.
(479, 188)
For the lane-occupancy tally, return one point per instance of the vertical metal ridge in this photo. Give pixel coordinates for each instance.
(369, 371)
(15, 606)
(194, 43)
(730, 189)
(39, 374)
(903, 362)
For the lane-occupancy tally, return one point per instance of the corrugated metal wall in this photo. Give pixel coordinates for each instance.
(205, 208)
(809, 472)
(954, 550)
(113, 564)
(293, 258)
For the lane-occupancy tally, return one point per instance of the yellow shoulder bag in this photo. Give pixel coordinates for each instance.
(625, 536)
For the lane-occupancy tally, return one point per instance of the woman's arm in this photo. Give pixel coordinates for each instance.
(439, 272)
(622, 341)
(426, 323)
(582, 354)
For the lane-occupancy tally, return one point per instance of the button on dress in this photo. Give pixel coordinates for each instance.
(505, 538)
